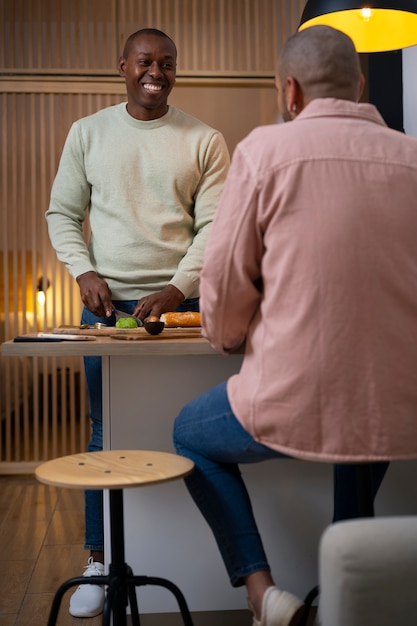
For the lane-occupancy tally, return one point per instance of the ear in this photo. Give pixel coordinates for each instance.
(294, 97)
(121, 66)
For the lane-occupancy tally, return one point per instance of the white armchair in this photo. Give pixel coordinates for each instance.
(368, 572)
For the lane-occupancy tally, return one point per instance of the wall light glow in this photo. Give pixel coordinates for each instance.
(41, 298)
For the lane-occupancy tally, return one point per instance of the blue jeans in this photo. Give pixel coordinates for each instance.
(94, 534)
(207, 432)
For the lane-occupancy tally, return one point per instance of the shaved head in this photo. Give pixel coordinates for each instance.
(131, 40)
(324, 63)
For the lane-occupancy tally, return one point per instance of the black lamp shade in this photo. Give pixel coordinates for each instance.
(373, 25)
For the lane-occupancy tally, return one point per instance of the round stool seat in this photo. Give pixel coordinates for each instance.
(113, 469)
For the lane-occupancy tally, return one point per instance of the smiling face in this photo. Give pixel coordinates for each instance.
(149, 69)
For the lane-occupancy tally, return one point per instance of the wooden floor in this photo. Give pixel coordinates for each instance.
(41, 545)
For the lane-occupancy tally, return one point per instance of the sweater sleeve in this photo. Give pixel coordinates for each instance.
(70, 199)
(214, 165)
(231, 276)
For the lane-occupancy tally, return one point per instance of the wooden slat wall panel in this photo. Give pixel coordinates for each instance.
(244, 32)
(213, 36)
(59, 35)
(43, 402)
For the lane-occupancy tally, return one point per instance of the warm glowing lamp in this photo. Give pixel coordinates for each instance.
(374, 26)
(41, 287)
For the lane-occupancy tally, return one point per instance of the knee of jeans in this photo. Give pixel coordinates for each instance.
(175, 437)
(178, 431)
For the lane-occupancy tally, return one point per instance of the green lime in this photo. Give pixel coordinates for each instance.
(126, 322)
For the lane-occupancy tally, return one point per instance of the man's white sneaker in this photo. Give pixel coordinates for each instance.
(88, 600)
(279, 608)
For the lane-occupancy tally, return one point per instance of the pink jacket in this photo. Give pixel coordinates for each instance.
(312, 259)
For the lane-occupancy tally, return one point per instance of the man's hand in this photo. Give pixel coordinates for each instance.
(157, 303)
(95, 294)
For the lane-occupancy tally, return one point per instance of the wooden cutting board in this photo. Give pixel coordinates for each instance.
(132, 333)
(100, 332)
(167, 333)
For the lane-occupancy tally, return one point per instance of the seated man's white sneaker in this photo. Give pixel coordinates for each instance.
(88, 600)
(279, 608)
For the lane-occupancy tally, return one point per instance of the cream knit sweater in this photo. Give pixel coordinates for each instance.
(151, 190)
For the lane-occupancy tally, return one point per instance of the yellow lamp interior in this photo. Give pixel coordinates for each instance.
(372, 30)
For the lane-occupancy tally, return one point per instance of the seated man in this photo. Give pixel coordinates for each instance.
(312, 262)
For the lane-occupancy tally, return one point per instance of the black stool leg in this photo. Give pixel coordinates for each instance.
(120, 580)
(116, 600)
(115, 588)
(56, 603)
(72, 582)
(110, 602)
(308, 603)
(132, 599)
(140, 581)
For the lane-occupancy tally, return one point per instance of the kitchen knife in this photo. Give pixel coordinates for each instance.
(120, 314)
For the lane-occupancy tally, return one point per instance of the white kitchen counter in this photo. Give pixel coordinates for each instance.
(145, 384)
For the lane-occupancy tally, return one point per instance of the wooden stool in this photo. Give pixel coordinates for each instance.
(116, 470)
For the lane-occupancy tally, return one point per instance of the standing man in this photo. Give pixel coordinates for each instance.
(150, 177)
(312, 262)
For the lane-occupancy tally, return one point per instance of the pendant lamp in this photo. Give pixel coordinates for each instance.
(374, 26)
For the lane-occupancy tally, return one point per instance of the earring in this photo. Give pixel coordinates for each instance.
(294, 108)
